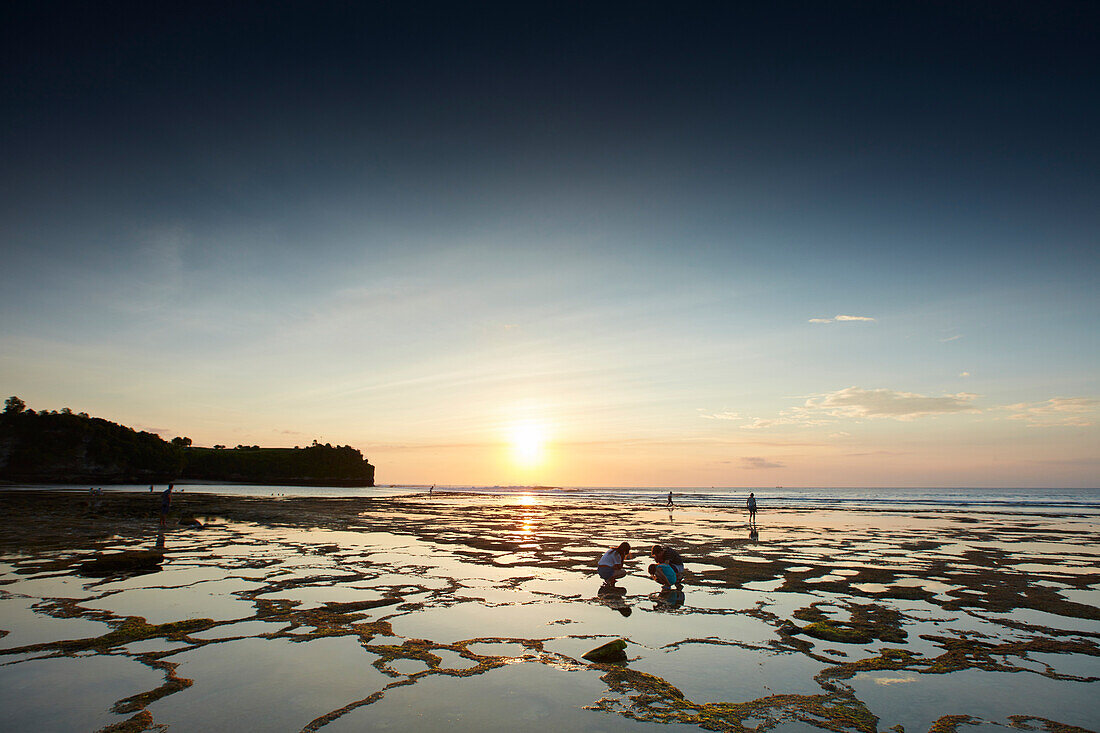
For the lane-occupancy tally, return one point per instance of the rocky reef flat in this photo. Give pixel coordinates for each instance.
(476, 613)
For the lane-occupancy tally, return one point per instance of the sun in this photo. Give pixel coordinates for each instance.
(527, 440)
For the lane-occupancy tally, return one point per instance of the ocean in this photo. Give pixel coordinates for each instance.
(1056, 500)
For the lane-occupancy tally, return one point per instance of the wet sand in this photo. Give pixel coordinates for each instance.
(474, 612)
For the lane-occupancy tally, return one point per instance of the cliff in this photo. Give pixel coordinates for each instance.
(67, 447)
(64, 447)
(321, 465)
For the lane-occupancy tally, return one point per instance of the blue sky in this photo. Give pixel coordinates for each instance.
(801, 246)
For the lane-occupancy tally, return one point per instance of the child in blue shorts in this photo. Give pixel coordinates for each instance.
(663, 574)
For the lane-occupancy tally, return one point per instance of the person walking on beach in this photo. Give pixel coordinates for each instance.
(751, 504)
(610, 566)
(670, 499)
(165, 504)
(668, 556)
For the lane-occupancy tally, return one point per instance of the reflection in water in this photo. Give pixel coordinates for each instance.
(614, 598)
(668, 600)
(754, 536)
(527, 526)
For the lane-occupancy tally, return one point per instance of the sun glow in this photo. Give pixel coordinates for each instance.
(527, 440)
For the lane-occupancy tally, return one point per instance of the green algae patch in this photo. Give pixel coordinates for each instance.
(974, 654)
(867, 623)
(888, 659)
(961, 654)
(138, 723)
(1052, 726)
(646, 697)
(130, 629)
(951, 723)
(415, 649)
(135, 628)
(827, 632)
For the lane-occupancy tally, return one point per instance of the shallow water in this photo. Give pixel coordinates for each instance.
(408, 618)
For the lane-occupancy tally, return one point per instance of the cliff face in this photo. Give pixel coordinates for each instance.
(75, 448)
(70, 448)
(317, 464)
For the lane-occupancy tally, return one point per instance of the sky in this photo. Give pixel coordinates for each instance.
(573, 244)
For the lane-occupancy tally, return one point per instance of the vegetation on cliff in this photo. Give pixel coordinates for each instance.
(67, 447)
(317, 462)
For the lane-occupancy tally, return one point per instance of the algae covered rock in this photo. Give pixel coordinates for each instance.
(788, 629)
(827, 632)
(611, 652)
(130, 561)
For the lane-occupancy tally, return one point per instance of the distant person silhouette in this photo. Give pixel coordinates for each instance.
(751, 504)
(670, 499)
(165, 504)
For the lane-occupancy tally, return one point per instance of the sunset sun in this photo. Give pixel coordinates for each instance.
(527, 439)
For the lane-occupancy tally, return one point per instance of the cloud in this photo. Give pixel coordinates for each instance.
(758, 462)
(858, 403)
(951, 338)
(964, 374)
(787, 417)
(1057, 412)
(727, 415)
(842, 319)
(854, 402)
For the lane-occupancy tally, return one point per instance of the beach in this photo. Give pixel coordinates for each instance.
(474, 610)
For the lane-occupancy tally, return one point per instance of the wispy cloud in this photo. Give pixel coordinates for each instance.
(951, 338)
(887, 403)
(759, 462)
(842, 319)
(787, 417)
(1056, 412)
(964, 374)
(726, 415)
(858, 403)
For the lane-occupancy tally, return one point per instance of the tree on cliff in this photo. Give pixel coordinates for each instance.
(13, 405)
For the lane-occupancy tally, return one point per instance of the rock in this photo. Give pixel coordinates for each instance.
(191, 522)
(612, 652)
(788, 629)
(131, 561)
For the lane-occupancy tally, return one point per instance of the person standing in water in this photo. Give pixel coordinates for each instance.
(165, 504)
(751, 504)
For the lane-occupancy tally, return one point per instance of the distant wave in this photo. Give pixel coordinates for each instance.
(1083, 501)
